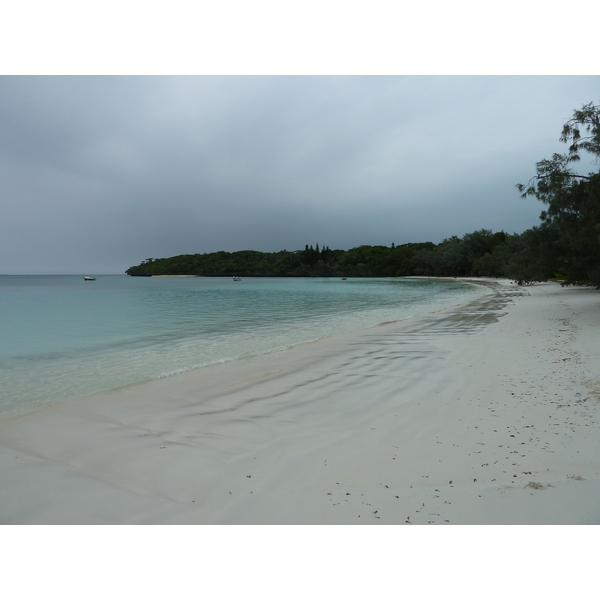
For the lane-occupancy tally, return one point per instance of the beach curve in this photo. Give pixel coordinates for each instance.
(483, 413)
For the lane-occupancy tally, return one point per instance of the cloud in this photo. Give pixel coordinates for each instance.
(111, 170)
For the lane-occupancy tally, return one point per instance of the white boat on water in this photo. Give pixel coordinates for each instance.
(89, 279)
(236, 278)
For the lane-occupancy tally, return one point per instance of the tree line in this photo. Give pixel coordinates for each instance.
(564, 246)
(451, 257)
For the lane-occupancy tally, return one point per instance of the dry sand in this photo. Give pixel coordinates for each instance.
(485, 413)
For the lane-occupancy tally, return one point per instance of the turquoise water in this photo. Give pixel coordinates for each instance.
(62, 337)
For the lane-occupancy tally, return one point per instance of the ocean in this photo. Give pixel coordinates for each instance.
(62, 338)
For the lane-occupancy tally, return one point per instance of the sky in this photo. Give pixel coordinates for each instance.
(101, 172)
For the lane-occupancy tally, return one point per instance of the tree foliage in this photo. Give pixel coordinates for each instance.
(570, 228)
(453, 257)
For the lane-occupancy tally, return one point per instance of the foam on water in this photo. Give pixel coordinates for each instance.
(63, 338)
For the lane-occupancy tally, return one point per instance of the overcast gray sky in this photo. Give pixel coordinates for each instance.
(99, 173)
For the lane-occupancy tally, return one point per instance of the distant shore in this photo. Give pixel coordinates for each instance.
(484, 413)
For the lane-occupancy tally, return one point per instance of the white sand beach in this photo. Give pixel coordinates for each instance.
(484, 413)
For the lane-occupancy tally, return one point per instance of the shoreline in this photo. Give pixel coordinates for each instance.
(482, 413)
(55, 395)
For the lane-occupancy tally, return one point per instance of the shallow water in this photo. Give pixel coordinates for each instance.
(62, 337)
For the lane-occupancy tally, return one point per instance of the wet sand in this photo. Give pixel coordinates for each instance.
(484, 413)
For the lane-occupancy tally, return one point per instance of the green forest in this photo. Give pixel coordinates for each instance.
(564, 246)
